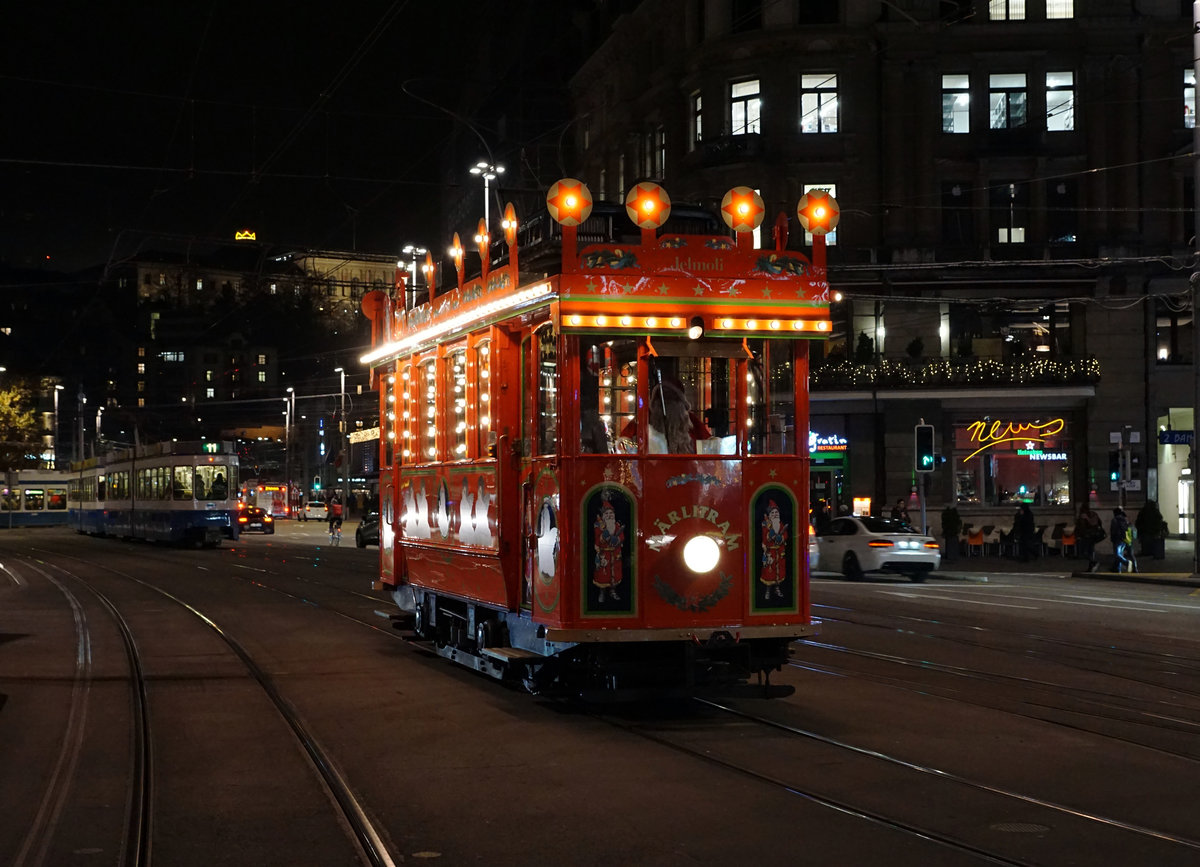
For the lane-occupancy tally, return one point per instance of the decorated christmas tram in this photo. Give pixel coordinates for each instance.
(596, 481)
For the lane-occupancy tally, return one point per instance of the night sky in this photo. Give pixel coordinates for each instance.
(122, 128)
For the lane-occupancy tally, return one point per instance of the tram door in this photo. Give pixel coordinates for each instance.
(540, 502)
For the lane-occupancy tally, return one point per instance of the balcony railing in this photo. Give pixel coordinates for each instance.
(955, 373)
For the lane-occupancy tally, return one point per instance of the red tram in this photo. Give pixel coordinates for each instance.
(597, 481)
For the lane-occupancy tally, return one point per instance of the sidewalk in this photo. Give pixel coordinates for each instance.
(1175, 568)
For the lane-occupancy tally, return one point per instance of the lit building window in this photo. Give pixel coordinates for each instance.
(1060, 9)
(262, 359)
(262, 376)
(210, 392)
(1060, 101)
(1189, 97)
(1006, 10)
(1010, 212)
(199, 283)
(956, 103)
(745, 107)
(818, 103)
(1007, 100)
(697, 121)
(141, 368)
(208, 376)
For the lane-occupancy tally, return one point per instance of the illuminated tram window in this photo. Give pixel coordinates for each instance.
(427, 424)
(547, 391)
(483, 397)
(403, 408)
(456, 403)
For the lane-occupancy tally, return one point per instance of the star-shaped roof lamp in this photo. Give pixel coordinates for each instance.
(742, 209)
(648, 206)
(569, 201)
(818, 212)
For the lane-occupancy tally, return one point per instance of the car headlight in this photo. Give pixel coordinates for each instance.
(701, 554)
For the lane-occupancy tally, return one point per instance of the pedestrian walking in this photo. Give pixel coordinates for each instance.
(1089, 532)
(1122, 535)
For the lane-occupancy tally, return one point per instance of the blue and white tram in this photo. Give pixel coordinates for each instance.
(177, 492)
(34, 498)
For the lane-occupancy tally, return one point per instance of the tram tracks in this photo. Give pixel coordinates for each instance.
(890, 801)
(1145, 707)
(974, 841)
(353, 817)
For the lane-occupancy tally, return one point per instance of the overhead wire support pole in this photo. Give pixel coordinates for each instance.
(1195, 284)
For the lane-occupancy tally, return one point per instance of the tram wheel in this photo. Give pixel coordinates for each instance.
(419, 619)
(850, 567)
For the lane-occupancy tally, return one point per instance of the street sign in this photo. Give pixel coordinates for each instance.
(1176, 437)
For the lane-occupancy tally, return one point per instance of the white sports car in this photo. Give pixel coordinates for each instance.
(855, 545)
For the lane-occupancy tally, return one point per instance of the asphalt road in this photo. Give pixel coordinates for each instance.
(983, 718)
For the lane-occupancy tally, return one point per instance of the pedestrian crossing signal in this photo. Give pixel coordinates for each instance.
(925, 459)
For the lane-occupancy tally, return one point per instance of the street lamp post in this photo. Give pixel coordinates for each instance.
(289, 409)
(489, 172)
(344, 445)
(413, 251)
(99, 437)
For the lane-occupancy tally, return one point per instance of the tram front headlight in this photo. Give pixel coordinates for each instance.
(701, 554)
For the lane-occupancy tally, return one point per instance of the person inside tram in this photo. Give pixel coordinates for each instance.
(593, 434)
(219, 491)
(674, 427)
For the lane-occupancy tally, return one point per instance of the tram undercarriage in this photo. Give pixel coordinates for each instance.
(511, 648)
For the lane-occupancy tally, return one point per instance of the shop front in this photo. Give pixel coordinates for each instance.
(999, 462)
(827, 473)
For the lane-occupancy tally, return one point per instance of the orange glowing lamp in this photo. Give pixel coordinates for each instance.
(742, 209)
(509, 224)
(818, 212)
(569, 201)
(648, 205)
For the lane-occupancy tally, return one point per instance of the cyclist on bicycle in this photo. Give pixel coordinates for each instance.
(335, 516)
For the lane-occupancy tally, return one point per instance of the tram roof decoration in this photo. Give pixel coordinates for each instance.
(818, 212)
(648, 205)
(742, 209)
(569, 201)
(656, 286)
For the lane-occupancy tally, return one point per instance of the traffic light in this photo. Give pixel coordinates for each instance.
(1114, 466)
(924, 459)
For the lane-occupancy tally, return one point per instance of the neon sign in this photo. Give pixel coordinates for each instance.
(831, 443)
(988, 432)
